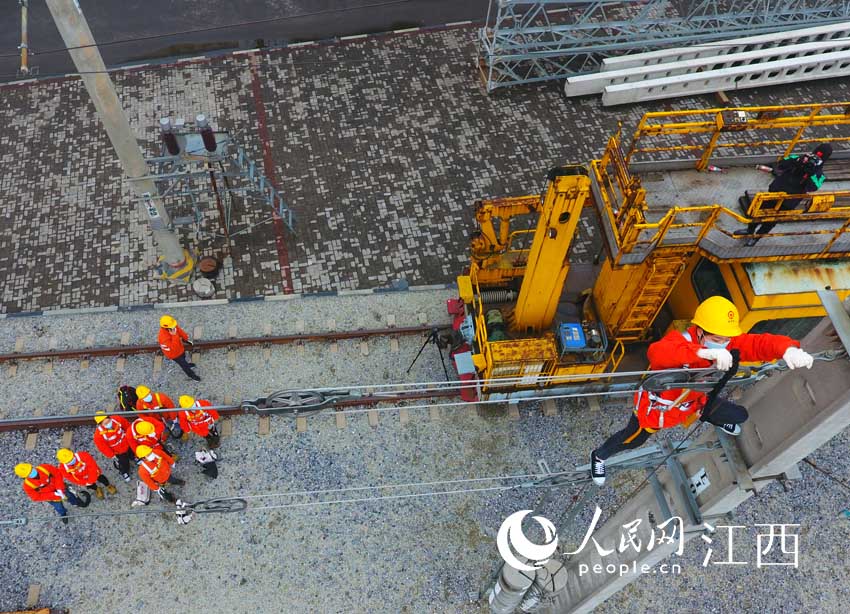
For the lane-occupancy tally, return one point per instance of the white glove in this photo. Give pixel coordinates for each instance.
(59, 494)
(721, 358)
(796, 358)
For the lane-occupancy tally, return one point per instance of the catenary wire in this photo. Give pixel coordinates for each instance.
(160, 510)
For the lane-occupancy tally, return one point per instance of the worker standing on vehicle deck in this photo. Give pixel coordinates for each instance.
(81, 469)
(793, 175)
(112, 438)
(715, 331)
(45, 483)
(171, 341)
(155, 471)
(196, 419)
(158, 400)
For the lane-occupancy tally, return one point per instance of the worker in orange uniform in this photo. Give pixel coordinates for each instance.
(148, 431)
(155, 471)
(158, 400)
(714, 332)
(81, 469)
(45, 483)
(196, 419)
(171, 340)
(112, 438)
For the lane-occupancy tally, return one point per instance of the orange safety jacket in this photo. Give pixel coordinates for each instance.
(154, 440)
(82, 473)
(155, 473)
(198, 420)
(679, 350)
(43, 487)
(172, 345)
(115, 440)
(158, 401)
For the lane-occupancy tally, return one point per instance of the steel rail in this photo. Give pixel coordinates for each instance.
(215, 344)
(30, 424)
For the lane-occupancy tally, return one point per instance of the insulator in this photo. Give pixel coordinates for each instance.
(206, 133)
(168, 137)
(532, 600)
(497, 296)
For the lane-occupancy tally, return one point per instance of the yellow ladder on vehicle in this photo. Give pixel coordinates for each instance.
(650, 296)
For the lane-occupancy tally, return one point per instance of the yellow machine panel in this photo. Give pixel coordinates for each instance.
(673, 235)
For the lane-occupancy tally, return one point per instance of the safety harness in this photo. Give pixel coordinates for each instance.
(662, 405)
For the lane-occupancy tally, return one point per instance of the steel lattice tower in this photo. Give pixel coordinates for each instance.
(530, 41)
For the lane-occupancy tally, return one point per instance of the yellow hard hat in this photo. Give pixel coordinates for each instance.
(143, 451)
(22, 470)
(145, 428)
(186, 401)
(167, 322)
(100, 416)
(142, 391)
(64, 455)
(718, 316)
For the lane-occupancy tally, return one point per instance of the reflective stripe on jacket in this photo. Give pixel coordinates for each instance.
(677, 350)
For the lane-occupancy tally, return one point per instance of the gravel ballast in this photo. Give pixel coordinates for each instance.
(417, 554)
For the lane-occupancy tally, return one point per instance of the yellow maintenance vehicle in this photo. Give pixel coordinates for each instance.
(668, 204)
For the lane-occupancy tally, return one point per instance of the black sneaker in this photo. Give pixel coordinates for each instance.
(125, 477)
(191, 364)
(597, 469)
(64, 519)
(731, 429)
(751, 242)
(740, 232)
(195, 377)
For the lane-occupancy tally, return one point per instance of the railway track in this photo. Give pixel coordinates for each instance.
(284, 402)
(216, 344)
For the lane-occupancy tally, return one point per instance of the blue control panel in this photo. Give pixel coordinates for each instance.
(571, 336)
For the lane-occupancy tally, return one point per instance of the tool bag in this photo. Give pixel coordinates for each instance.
(127, 398)
(143, 495)
(207, 460)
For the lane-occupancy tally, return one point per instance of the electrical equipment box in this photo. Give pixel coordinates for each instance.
(581, 342)
(571, 336)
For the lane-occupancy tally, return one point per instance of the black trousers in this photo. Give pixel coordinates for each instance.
(634, 435)
(122, 462)
(184, 364)
(100, 480)
(766, 227)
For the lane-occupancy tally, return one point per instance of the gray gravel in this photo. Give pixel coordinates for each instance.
(413, 555)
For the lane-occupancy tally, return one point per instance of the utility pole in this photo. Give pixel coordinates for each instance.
(23, 46)
(174, 262)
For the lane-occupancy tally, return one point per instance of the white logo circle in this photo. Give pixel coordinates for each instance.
(511, 536)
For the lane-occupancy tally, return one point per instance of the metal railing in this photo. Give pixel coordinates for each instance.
(719, 122)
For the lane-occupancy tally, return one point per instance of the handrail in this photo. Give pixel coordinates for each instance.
(739, 119)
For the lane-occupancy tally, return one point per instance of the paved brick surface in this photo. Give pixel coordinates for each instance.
(380, 146)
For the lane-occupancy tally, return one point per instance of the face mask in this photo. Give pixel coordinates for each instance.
(107, 424)
(73, 461)
(714, 345)
(148, 398)
(34, 474)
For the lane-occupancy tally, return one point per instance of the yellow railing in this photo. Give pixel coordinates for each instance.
(631, 234)
(817, 206)
(717, 122)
